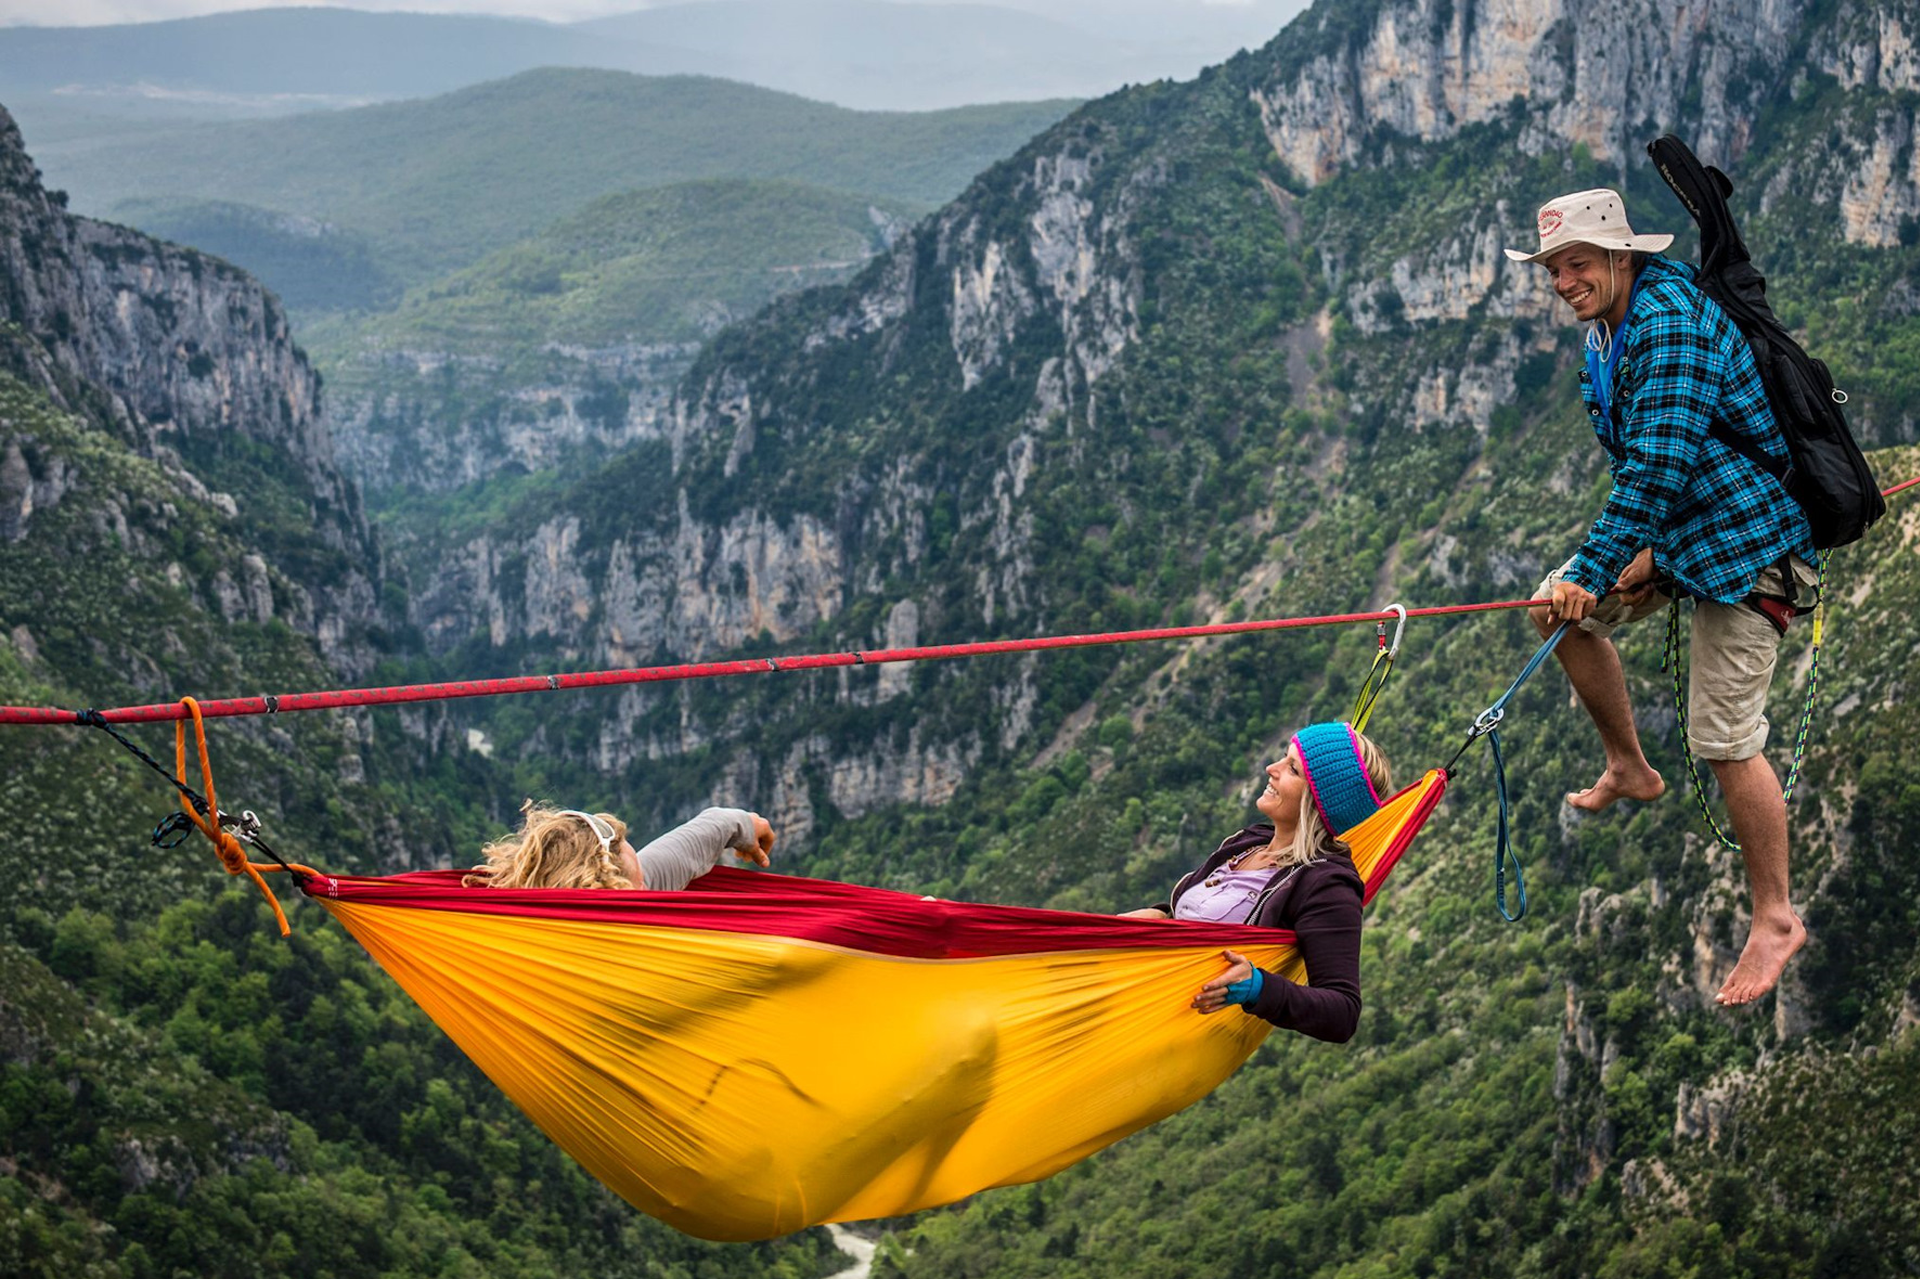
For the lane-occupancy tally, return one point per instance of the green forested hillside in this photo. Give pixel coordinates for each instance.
(315, 266)
(666, 264)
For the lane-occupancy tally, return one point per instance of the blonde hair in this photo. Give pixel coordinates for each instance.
(553, 848)
(1311, 838)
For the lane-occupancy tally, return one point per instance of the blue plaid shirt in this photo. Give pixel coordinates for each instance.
(1713, 519)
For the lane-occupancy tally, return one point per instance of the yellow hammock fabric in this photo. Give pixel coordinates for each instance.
(769, 1053)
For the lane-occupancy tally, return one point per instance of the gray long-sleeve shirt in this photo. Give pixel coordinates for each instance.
(690, 850)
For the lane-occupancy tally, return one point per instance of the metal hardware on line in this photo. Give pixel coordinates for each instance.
(1399, 629)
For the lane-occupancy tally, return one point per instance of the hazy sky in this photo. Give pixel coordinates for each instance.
(88, 12)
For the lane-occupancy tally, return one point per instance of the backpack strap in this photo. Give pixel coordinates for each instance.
(1780, 469)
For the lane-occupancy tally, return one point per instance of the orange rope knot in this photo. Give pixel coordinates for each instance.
(231, 854)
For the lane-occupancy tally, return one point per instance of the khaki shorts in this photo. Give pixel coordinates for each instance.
(1731, 655)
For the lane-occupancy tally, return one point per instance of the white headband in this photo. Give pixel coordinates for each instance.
(599, 827)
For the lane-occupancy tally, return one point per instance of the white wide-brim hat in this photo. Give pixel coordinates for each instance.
(1597, 217)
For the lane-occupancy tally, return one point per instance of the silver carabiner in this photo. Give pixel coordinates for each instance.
(1399, 629)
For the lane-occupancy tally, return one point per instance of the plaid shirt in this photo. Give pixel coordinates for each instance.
(1713, 519)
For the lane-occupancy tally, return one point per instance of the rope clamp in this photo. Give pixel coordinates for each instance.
(272, 703)
(553, 683)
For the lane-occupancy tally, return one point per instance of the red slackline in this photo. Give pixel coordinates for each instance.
(1905, 484)
(270, 704)
(274, 704)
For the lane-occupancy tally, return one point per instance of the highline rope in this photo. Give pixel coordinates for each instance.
(270, 704)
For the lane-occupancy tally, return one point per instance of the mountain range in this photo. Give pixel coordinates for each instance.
(869, 54)
(435, 184)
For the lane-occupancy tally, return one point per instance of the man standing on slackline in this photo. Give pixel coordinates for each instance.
(1664, 363)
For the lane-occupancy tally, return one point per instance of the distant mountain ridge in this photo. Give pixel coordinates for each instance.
(435, 184)
(869, 54)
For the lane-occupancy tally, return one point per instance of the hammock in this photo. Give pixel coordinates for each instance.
(768, 1053)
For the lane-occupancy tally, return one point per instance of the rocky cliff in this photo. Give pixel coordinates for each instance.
(191, 362)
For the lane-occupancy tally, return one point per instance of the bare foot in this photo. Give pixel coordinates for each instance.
(1770, 944)
(1643, 784)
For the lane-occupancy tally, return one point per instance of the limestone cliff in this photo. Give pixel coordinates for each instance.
(1419, 71)
(192, 363)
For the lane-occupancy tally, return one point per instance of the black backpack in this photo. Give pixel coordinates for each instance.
(1826, 473)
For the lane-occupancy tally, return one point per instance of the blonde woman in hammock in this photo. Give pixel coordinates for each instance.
(567, 848)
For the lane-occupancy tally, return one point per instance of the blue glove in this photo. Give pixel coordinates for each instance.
(1245, 992)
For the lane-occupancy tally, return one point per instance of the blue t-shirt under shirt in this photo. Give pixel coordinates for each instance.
(1600, 372)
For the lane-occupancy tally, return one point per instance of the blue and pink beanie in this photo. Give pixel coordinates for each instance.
(1330, 758)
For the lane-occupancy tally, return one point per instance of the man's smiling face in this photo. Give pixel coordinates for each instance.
(1580, 276)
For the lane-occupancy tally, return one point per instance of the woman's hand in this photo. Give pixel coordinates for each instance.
(1213, 996)
(1145, 912)
(763, 842)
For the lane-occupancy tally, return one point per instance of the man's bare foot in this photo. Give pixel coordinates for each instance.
(1643, 784)
(1770, 944)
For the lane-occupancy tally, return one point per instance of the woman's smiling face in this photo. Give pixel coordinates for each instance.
(1286, 784)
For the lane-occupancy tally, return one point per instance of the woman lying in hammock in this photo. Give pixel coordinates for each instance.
(1294, 873)
(566, 848)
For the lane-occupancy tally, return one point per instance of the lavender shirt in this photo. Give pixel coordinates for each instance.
(1224, 897)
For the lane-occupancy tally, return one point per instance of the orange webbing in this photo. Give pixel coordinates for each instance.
(232, 856)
